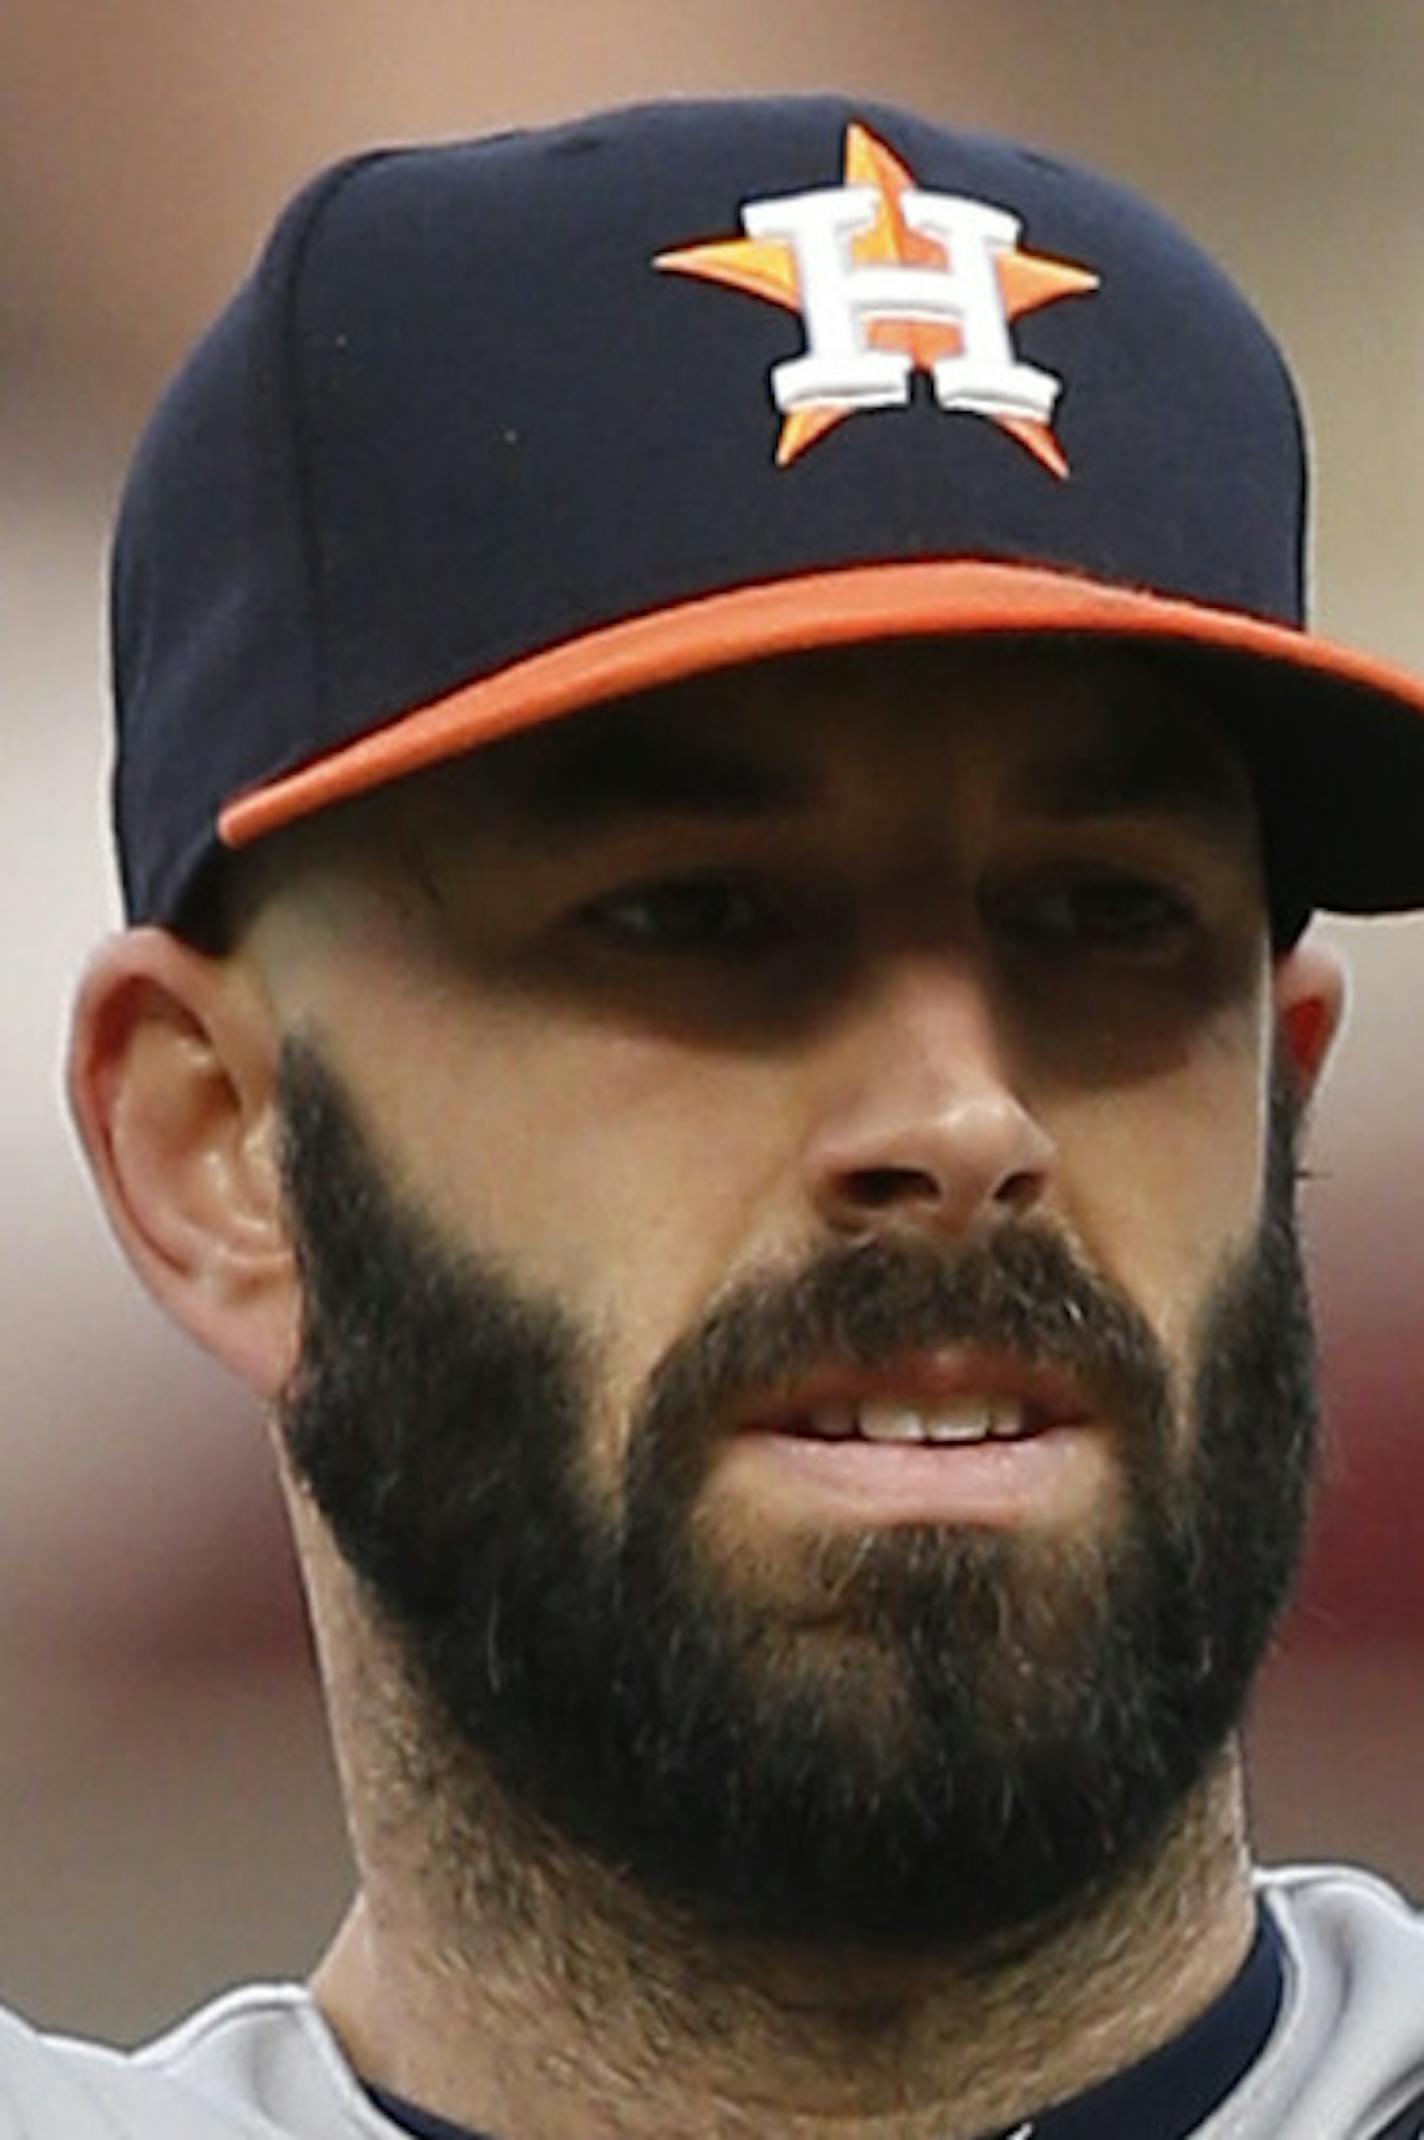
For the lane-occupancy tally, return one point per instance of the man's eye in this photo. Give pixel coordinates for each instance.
(709, 914)
(1094, 911)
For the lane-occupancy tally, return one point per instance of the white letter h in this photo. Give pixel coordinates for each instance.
(841, 298)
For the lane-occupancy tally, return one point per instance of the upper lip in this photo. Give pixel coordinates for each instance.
(926, 1382)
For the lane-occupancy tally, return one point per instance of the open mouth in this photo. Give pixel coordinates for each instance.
(945, 1437)
(959, 1421)
(948, 1399)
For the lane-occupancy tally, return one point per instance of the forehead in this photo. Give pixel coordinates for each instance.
(1075, 729)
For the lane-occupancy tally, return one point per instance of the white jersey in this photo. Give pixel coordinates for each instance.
(1345, 2060)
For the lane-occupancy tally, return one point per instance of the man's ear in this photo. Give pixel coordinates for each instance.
(172, 1072)
(1309, 990)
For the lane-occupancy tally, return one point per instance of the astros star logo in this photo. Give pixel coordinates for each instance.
(889, 281)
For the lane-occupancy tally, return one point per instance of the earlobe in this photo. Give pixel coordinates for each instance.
(171, 1081)
(1310, 1007)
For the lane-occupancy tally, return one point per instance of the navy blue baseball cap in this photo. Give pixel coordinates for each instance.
(502, 429)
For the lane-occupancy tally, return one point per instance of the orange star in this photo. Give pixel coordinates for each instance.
(766, 268)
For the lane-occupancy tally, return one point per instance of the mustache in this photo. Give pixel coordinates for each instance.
(865, 1305)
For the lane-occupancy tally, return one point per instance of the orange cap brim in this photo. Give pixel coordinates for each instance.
(849, 606)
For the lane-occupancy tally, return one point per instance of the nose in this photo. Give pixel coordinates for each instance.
(921, 1124)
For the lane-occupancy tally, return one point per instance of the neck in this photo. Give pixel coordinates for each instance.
(492, 1975)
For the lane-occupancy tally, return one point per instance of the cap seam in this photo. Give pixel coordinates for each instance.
(297, 475)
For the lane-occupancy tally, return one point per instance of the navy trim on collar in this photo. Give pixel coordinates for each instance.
(421, 2124)
(1171, 2093)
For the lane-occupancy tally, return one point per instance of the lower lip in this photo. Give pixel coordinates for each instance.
(1046, 1477)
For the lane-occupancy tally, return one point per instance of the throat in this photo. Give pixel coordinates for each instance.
(580, 2011)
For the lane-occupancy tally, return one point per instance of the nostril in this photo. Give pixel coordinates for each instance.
(1019, 1192)
(877, 1188)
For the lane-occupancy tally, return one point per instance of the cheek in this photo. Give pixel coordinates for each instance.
(1164, 1180)
(622, 1174)
(648, 1175)
(623, 1153)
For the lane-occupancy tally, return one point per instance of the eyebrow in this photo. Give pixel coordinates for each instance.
(1155, 773)
(593, 777)
(585, 783)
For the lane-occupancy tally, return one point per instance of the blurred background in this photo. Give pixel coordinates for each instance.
(166, 1802)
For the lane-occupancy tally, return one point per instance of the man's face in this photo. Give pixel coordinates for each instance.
(714, 1111)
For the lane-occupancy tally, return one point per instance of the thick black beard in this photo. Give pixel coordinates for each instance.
(981, 1729)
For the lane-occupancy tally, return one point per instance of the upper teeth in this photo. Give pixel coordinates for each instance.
(965, 1419)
